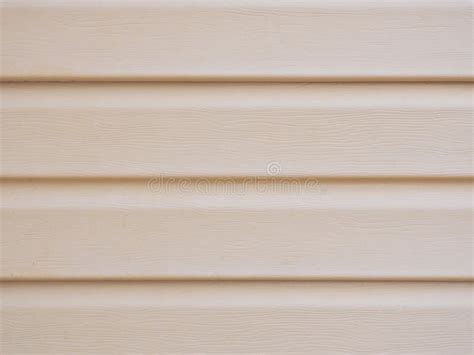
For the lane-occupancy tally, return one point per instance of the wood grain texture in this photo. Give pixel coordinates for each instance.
(140, 129)
(237, 40)
(236, 229)
(310, 318)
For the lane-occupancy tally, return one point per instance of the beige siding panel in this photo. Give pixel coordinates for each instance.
(185, 129)
(236, 229)
(228, 317)
(237, 40)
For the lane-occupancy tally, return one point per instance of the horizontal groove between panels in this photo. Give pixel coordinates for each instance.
(276, 81)
(211, 279)
(52, 283)
(237, 179)
(240, 82)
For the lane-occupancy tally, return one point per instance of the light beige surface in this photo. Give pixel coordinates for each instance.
(132, 221)
(208, 228)
(186, 129)
(247, 317)
(237, 40)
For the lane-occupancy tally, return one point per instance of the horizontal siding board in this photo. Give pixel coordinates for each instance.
(332, 318)
(185, 129)
(237, 40)
(236, 229)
